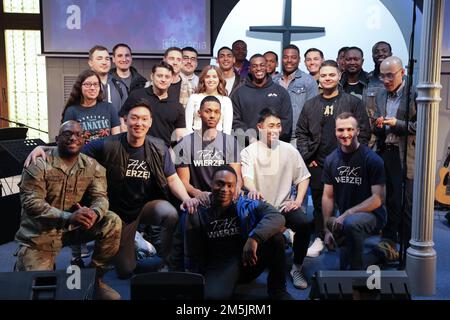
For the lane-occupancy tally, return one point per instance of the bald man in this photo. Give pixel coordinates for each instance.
(51, 192)
(395, 141)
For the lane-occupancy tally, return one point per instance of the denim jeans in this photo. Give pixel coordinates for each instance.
(357, 228)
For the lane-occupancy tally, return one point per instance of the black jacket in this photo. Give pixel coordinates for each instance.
(309, 125)
(137, 81)
(115, 158)
(249, 100)
(258, 220)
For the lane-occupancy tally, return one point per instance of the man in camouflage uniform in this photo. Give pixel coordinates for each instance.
(51, 192)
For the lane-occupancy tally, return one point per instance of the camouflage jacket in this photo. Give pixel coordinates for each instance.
(49, 192)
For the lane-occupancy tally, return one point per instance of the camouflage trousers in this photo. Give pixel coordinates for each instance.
(105, 232)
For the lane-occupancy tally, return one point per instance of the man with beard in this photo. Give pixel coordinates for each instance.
(232, 241)
(353, 177)
(51, 192)
(354, 80)
(316, 139)
(260, 93)
(300, 85)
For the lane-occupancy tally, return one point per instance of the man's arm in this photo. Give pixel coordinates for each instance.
(33, 191)
(302, 188)
(327, 203)
(248, 173)
(97, 191)
(176, 186)
(302, 133)
(179, 191)
(185, 177)
(38, 152)
(237, 168)
(271, 221)
(375, 201)
(327, 210)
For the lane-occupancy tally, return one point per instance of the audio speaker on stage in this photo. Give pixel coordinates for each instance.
(10, 217)
(48, 285)
(167, 286)
(13, 154)
(360, 285)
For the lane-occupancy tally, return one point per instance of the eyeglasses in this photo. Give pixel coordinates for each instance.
(91, 84)
(388, 76)
(193, 59)
(68, 134)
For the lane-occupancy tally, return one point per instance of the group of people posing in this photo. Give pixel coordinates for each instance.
(219, 165)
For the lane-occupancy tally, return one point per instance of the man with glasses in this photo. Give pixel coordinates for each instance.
(260, 93)
(396, 130)
(190, 62)
(51, 191)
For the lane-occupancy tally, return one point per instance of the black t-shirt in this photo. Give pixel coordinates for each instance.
(167, 114)
(139, 182)
(202, 157)
(174, 91)
(223, 234)
(355, 89)
(328, 136)
(352, 175)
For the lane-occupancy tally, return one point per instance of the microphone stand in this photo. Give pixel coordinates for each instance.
(22, 125)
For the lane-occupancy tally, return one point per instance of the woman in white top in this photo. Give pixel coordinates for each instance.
(211, 83)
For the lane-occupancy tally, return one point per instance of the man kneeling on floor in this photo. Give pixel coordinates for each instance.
(354, 179)
(50, 192)
(232, 242)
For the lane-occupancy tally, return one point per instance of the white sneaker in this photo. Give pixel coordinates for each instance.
(298, 278)
(316, 248)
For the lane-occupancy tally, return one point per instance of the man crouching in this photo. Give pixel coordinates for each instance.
(51, 192)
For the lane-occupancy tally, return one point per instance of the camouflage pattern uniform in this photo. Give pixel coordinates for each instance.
(49, 192)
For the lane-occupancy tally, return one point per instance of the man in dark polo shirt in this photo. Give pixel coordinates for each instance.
(168, 114)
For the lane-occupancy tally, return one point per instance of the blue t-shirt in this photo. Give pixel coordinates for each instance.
(139, 181)
(96, 121)
(352, 175)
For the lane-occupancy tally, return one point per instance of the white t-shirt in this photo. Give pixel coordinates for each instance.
(193, 121)
(274, 170)
(230, 83)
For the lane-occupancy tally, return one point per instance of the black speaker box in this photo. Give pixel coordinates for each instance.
(353, 285)
(167, 286)
(47, 285)
(10, 217)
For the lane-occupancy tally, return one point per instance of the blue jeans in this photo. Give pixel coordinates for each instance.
(357, 228)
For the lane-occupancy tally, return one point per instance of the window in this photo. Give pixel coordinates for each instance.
(27, 85)
(22, 69)
(21, 6)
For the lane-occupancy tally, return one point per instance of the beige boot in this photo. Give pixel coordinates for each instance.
(105, 292)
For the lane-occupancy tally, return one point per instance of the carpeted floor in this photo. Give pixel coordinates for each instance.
(256, 289)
